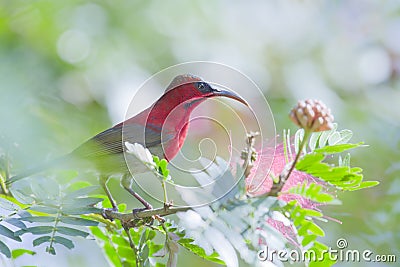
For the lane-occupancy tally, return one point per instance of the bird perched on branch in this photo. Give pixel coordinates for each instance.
(162, 128)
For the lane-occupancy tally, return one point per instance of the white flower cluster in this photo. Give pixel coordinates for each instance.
(141, 153)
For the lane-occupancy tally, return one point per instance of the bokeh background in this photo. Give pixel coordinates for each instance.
(68, 70)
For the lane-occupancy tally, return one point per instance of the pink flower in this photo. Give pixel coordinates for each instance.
(260, 182)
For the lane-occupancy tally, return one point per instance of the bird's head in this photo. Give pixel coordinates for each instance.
(190, 90)
(171, 112)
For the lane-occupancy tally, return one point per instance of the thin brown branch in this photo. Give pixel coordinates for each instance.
(249, 153)
(283, 176)
(143, 214)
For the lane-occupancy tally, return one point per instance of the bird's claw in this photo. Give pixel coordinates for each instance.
(134, 211)
(106, 211)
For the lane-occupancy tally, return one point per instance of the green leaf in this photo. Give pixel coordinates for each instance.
(15, 222)
(81, 192)
(323, 198)
(323, 139)
(81, 210)
(112, 255)
(78, 221)
(98, 233)
(312, 192)
(345, 136)
(8, 205)
(38, 219)
(120, 240)
(71, 231)
(45, 209)
(4, 231)
(151, 235)
(366, 184)
(45, 189)
(125, 252)
(51, 250)
(81, 202)
(23, 213)
(337, 148)
(143, 237)
(22, 197)
(80, 185)
(154, 248)
(320, 252)
(345, 162)
(308, 239)
(41, 240)
(144, 254)
(298, 137)
(312, 213)
(122, 207)
(36, 230)
(64, 241)
(313, 142)
(316, 229)
(16, 253)
(334, 139)
(156, 159)
(309, 161)
(5, 250)
(185, 240)
(162, 166)
(199, 251)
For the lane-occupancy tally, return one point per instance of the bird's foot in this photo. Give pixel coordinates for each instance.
(106, 213)
(134, 211)
(137, 210)
(152, 218)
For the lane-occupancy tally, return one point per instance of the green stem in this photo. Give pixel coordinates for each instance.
(133, 247)
(301, 147)
(285, 146)
(284, 176)
(165, 192)
(7, 175)
(53, 233)
(3, 185)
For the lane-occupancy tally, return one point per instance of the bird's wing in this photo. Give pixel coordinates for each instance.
(110, 141)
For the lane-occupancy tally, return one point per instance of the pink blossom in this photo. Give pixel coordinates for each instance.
(260, 182)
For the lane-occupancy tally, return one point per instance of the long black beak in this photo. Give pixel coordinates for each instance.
(228, 94)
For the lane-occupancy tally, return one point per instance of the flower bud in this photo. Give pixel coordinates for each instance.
(312, 115)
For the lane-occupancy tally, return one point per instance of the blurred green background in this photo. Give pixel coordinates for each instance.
(68, 70)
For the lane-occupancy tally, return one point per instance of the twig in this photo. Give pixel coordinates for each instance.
(249, 154)
(143, 214)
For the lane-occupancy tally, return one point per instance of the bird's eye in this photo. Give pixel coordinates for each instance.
(201, 86)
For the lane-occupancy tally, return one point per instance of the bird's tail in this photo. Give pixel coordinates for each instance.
(34, 170)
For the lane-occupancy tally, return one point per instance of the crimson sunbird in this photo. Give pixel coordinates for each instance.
(162, 128)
